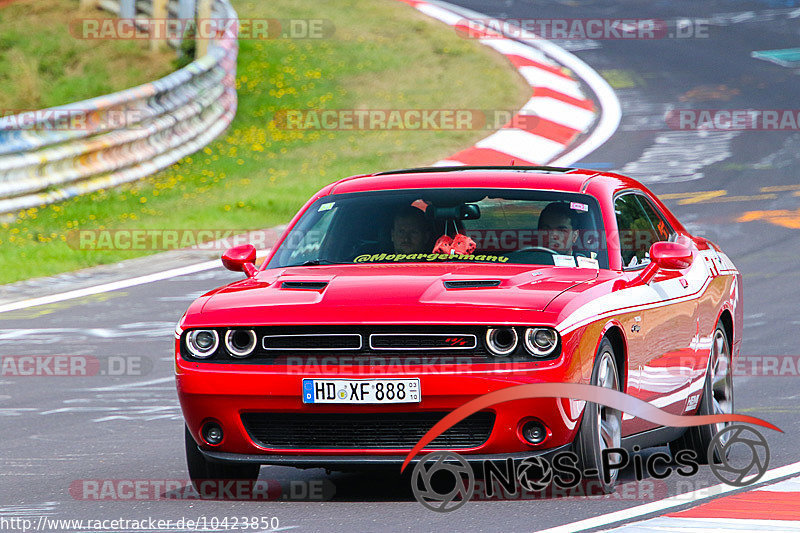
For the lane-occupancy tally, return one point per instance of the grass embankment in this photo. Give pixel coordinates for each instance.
(381, 55)
(43, 64)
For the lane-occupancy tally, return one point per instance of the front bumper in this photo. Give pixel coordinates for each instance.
(360, 461)
(222, 393)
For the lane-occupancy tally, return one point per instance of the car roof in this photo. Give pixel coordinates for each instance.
(516, 177)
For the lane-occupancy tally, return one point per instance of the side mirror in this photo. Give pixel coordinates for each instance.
(241, 259)
(671, 255)
(664, 255)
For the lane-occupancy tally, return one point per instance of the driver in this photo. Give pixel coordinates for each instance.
(411, 231)
(556, 228)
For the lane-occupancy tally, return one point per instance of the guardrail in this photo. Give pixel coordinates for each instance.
(122, 137)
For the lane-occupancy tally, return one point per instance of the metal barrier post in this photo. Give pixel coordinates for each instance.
(127, 9)
(185, 9)
(203, 18)
(185, 15)
(159, 13)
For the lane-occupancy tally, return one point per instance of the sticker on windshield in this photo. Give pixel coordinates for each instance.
(370, 258)
(563, 261)
(325, 207)
(577, 206)
(586, 262)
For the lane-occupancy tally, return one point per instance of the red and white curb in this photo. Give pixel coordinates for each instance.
(770, 508)
(562, 109)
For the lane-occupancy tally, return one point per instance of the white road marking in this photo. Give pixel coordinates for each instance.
(108, 287)
(679, 155)
(675, 524)
(672, 502)
(789, 485)
(133, 385)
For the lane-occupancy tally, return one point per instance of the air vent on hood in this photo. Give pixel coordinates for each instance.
(471, 283)
(304, 285)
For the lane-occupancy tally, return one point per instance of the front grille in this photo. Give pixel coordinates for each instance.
(363, 430)
(313, 341)
(422, 341)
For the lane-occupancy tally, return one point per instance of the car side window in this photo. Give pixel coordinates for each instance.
(659, 224)
(636, 233)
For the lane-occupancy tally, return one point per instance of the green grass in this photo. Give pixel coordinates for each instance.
(382, 55)
(43, 64)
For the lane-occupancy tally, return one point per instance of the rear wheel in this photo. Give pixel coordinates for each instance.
(201, 469)
(601, 426)
(717, 399)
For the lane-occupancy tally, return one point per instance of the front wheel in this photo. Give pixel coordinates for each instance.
(201, 469)
(601, 426)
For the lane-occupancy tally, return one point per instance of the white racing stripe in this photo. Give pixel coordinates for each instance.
(668, 503)
(643, 297)
(681, 395)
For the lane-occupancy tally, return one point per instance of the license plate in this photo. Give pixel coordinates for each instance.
(361, 391)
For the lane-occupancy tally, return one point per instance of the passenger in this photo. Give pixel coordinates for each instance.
(411, 231)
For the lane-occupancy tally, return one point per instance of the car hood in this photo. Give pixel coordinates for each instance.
(382, 293)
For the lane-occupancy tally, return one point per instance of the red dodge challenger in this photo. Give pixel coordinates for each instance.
(394, 298)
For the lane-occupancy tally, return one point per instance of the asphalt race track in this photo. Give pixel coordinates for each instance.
(124, 423)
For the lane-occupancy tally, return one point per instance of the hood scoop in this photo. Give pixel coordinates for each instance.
(304, 285)
(471, 283)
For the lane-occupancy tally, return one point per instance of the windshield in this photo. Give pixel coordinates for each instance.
(508, 226)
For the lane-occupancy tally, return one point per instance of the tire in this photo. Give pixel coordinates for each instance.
(601, 427)
(201, 469)
(717, 399)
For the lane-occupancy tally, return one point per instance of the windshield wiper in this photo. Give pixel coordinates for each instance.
(315, 262)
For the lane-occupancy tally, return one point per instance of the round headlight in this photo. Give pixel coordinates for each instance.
(240, 342)
(202, 343)
(541, 342)
(501, 341)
